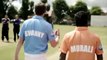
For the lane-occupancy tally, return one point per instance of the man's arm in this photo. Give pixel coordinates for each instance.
(62, 56)
(19, 45)
(100, 57)
(55, 42)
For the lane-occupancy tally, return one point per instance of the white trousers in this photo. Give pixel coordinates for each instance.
(35, 56)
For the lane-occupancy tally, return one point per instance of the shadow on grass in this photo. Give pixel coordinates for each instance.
(8, 42)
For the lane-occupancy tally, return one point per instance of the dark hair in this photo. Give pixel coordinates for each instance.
(82, 18)
(40, 9)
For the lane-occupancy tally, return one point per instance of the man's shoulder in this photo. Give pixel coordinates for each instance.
(69, 34)
(28, 21)
(95, 36)
(46, 23)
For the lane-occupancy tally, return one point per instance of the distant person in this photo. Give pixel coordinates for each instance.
(5, 28)
(29, 16)
(35, 34)
(16, 27)
(81, 44)
(48, 14)
(48, 18)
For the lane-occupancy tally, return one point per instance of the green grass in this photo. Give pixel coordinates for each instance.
(7, 49)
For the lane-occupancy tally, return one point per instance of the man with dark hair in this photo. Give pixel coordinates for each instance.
(5, 28)
(81, 44)
(82, 18)
(35, 34)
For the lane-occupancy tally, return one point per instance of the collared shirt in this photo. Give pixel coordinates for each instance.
(36, 33)
(81, 44)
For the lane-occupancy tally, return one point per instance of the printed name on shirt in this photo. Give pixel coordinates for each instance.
(34, 33)
(81, 48)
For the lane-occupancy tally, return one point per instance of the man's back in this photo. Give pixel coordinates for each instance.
(36, 35)
(81, 44)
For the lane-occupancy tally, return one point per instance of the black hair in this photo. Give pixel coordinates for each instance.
(40, 9)
(82, 18)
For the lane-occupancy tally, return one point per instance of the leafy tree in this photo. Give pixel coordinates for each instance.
(72, 11)
(44, 1)
(96, 10)
(31, 8)
(60, 9)
(79, 6)
(2, 12)
(3, 7)
(47, 5)
(12, 12)
(23, 13)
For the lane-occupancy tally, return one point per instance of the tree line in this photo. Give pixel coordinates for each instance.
(60, 9)
(6, 8)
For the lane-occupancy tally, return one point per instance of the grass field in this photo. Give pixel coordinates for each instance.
(7, 49)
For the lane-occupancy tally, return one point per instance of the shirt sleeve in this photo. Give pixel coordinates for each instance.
(64, 45)
(3, 19)
(99, 48)
(50, 33)
(22, 32)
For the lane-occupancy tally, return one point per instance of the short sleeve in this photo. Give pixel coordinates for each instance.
(99, 48)
(22, 31)
(64, 45)
(50, 33)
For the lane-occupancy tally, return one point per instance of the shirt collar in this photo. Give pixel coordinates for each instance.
(38, 17)
(81, 28)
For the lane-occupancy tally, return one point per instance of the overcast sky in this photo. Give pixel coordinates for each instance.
(90, 3)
